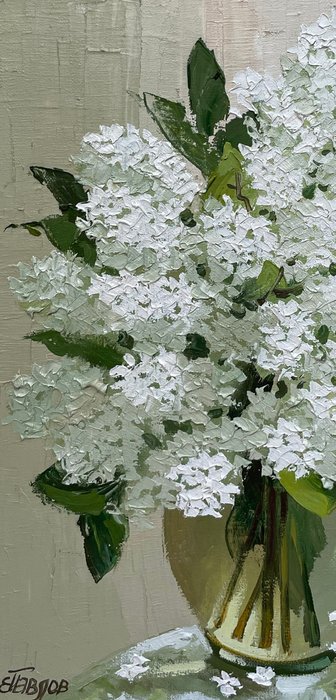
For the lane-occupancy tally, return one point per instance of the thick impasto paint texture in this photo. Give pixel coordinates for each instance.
(192, 322)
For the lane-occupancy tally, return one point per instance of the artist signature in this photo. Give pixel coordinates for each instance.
(14, 682)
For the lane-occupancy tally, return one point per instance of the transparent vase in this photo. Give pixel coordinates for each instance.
(260, 579)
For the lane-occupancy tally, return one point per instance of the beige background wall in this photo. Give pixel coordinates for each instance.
(65, 67)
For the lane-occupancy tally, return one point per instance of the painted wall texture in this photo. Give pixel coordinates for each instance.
(67, 66)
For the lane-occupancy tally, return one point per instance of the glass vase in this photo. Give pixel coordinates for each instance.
(260, 579)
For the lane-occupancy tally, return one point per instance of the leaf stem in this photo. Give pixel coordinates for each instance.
(269, 568)
(284, 574)
(277, 280)
(239, 630)
(239, 193)
(239, 565)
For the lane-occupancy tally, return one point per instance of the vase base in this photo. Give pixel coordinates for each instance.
(222, 656)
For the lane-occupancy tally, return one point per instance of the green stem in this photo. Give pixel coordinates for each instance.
(284, 574)
(239, 630)
(245, 549)
(268, 575)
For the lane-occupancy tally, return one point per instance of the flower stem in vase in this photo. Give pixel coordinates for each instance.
(244, 551)
(284, 573)
(269, 574)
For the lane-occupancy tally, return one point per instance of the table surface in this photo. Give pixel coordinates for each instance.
(181, 668)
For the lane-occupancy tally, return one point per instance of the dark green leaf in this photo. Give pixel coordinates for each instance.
(187, 218)
(85, 248)
(201, 269)
(215, 413)
(33, 227)
(125, 340)
(206, 82)
(322, 334)
(107, 270)
(309, 190)
(235, 133)
(332, 269)
(171, 119)
(104, 536)
(196, 347)
(173, 426)
(238, 310)
(152, 441)
(269, 214)
(89, 499)
(252, 382)
(97, 350)
(282, 389)
(63, 234)
(63, 186)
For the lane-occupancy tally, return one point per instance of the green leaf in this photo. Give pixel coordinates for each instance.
(97, 350)
(305, 539)
(90, 499)
(196, 347)
(322, 334)
(252, 382)
(171, 119)
(282, 389)
(152, 441)
(187, 218)
(108, 270)
(201, 269)
(332, 269)
(235, 133)
(214, 413)
(173, 426)
(309, 492)
(309, 190)
(63, 186)
(31, 229)
(229, 179)
(104, 536)
(85, 248)
(125, 340)
(270, 284)
(223, 178)
(206, 82)
(63, 234)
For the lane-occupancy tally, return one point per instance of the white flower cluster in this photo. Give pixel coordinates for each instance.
(181, 416)
(140, 186)
(203, 485)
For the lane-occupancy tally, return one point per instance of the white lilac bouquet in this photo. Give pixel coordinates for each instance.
(191, 317)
